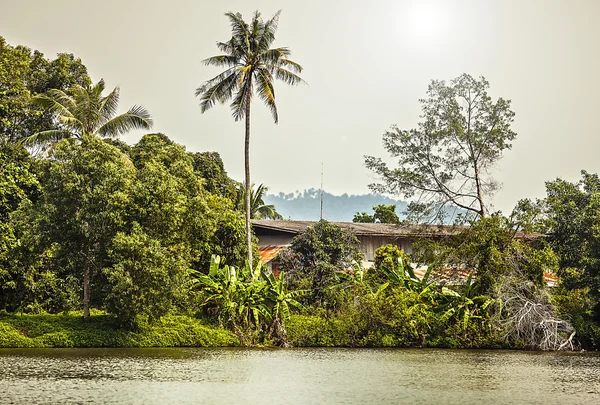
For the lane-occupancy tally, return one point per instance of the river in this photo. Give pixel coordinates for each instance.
(296, 376)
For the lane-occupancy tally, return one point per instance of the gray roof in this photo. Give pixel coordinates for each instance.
(371, 229)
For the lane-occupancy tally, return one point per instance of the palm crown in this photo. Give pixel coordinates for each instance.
(258, 208)
(251, 64)
(85, 111)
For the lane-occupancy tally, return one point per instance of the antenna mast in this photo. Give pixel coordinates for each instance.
(321, 191)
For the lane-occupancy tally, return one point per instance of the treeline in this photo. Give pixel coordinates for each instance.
(337, 208)
(124, 225)
(92, 222)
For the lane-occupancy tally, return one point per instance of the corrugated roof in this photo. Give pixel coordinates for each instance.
(268, 253)
(371, 229)
(462, 275)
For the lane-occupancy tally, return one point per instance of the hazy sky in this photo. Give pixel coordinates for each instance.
(366, 63)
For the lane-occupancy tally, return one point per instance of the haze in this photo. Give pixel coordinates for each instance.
(366, 64)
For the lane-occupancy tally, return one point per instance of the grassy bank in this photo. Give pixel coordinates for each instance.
(72, 331)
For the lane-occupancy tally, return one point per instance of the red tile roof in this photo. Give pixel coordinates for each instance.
(462, 275)
(268, 253)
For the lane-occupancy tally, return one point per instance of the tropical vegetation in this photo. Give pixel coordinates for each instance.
(103, 243)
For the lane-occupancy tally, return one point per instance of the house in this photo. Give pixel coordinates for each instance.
(370, 235)
(274, 235)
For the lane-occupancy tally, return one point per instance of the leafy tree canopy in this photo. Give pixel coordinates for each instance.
(385, 214)
(445, 160)
(209, 166)
(24, 74)
(316, 255)
(573, 216)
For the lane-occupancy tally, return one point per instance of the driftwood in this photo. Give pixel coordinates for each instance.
(529, 319)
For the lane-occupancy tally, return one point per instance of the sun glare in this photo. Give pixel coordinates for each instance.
(426, 22)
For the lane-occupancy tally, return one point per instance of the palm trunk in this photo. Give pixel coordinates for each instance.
(86, 291)
(248, 185)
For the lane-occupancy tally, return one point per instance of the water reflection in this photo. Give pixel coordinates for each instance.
(296, 376)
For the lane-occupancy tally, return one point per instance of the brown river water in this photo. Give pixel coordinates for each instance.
(296, 376)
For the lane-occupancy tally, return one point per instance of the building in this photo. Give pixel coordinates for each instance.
(275, 235)
(371, 236)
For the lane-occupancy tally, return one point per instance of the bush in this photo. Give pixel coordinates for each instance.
(100, 331)
(387, 257)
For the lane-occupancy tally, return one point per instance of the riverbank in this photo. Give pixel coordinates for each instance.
(59, 331)
(40, 331)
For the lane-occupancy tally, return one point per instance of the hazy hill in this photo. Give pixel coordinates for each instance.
(305, 205)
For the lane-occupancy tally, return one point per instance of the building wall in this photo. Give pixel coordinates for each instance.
(369, 244)
(275, 240)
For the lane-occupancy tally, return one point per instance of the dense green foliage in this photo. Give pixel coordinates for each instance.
(385, 214)
(25, 74)
(128, 227)
(489, 246)
(137, 237)
(249, 301)
(315, 256)
(210, 167)
(571, 215)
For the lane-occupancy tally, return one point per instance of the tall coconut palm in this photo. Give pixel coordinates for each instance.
(85, 111)
(251, 66)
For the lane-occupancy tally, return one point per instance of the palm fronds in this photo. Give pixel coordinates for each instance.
(252, 67)
(85, 111)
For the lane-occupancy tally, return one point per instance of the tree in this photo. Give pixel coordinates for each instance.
(384, 214)
(83, 110)
(573, 216)
(24, 74)
(146, 279)
(258, 208)
(85, 203)
(317, 254)
(251, 66)
(489, 248)
(445, 160)
(209, 166)
(172, 206)
(18, 185)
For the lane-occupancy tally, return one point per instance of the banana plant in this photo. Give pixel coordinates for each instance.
(240, 297)
(280, 302)
(463, 307)
(218, 287)
(281, 298)
(404, 275)
(357, 279)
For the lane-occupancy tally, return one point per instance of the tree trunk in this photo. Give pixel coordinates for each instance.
(86, 291)
(479, 193)
(247, 167)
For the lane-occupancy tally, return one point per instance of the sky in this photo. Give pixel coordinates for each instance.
(366, 64)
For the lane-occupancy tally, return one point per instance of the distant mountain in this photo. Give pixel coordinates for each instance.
(340, 208)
